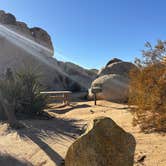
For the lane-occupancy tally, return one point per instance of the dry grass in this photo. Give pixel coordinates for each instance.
(148, 93)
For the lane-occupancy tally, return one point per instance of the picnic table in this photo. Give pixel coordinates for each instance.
(61, 95)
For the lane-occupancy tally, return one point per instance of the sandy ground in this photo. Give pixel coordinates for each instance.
(45, 142)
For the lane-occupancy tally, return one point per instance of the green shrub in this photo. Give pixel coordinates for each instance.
(20, 93)
(9, 98)
(32, 101)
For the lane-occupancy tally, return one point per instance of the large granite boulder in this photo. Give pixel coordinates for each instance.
(114, 81)
(114, 87)
(103, 144)
(116, 66)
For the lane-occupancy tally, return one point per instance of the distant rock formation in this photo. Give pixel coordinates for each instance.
(94, 71)
(114, 60)
(114, 80)
(103, 144)
(24, 47)
(7, 18)
(37, 34)
(76, 72)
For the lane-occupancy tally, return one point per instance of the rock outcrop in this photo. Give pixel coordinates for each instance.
(114, 80)
(114, 60)
(114, 87)
(41, 37)
(103, 144)
(76, 72)
(7, 18)
(37, 34)
(116, 66)
(22, 47)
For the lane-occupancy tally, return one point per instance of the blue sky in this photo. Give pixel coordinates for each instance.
(91, 32)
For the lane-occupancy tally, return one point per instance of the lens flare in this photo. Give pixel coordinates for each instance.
(40, 52)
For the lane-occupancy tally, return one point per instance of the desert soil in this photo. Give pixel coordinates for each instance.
(45, 142)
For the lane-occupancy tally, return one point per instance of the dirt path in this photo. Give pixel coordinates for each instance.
(45, 142)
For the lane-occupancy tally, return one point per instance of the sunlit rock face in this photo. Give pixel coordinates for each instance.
(114, 81)
(22, 47)
(114, 87)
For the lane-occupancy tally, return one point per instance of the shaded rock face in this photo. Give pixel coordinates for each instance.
(94, 71)
(7, 18)
(103, 144)
(42, 37)
(21, 26)
(84, 76)
(114, 87)
(22, 47)
(114, 60)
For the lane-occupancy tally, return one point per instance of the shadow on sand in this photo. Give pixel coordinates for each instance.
(121, 108)
(8, 160)
(38, 130)
(58, 110)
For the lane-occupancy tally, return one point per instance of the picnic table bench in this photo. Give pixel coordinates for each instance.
(61, 95)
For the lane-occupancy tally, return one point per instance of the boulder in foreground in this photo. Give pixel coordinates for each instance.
(103, 144)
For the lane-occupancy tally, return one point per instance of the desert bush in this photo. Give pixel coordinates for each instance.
(148, 89)
(9, 97)
(20, 93)
(32, 101)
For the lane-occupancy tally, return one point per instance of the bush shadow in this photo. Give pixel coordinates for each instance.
(57, 129)
(8, 160)
(70, 108)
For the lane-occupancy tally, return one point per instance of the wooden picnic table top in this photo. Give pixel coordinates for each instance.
(56, 92)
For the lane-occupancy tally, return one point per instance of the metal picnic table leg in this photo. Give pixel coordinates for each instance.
(68, 99)
(64, 100)
(95, 99)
